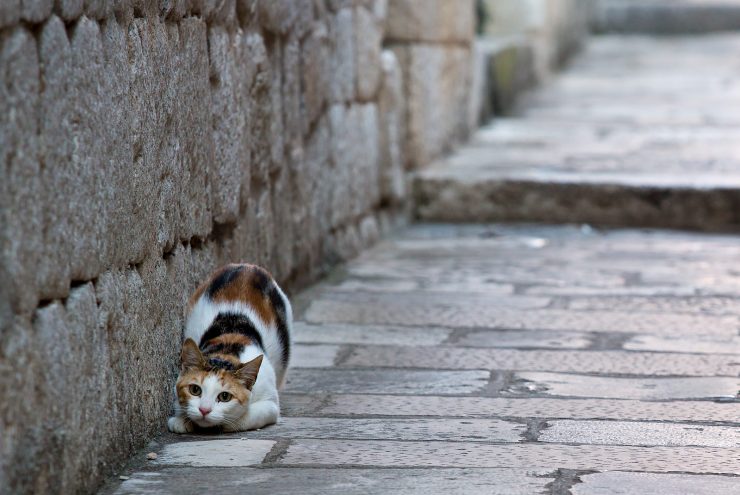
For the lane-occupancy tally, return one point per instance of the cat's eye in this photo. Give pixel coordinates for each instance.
(224, 397)
(194, 390)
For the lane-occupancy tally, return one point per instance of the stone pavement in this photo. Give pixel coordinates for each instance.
(497, 359)
(637, 131)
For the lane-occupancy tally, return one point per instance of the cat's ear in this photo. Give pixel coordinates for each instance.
(190, 356)
(247, 372)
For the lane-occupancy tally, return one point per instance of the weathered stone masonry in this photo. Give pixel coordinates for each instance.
(142, 144)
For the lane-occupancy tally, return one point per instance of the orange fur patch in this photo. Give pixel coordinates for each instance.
(245, 288)
(230, 339)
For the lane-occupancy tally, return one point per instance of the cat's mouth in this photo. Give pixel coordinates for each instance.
(205, 422)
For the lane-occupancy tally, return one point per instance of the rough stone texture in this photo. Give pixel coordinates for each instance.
(443, 430)
(394, 401)
(317, 481)
(597, 148)
(666, 16)
(538, 456)
(645, 434)
(445, 21)
(141, 145)
(438, 73)
(617, 483)
(487, 407)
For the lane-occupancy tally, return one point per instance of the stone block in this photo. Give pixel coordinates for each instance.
(439, 74)
(262, 114)
(623, 483)
(525, 456)
(440, 430)
(10, 13)
(640, 434)
(382, 381)
(316, 74)
(450, 21)
(36, 10)
(58, 178)
(293, 117)
(364, 151)
(69, 10)
(362, 481)
(368, 32)
(125, 178)
(391, 127)
(341, 157)
(89, 194)
(279, 16)
(231, 76)
(483, 407)
(21, 220)
(98, 9)
(342, 60)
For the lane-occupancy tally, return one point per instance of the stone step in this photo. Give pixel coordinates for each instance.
(637, 132)
(667, 16)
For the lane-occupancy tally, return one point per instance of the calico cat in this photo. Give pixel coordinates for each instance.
(235, 354)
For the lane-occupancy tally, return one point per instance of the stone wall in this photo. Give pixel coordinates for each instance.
(142, 144)
(433, 40)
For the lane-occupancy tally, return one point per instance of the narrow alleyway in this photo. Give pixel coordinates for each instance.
(504, 359)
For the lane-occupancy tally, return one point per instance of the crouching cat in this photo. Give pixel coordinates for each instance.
(235, 354)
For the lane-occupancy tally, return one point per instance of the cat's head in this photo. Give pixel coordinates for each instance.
(214, 391)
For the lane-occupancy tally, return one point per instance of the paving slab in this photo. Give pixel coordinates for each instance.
(626, 388)
(488, 407)
(640, 434)
(441, 429)
(537, 456)
(321, 481)
(579, 361)
(620, 483)
(378, 381)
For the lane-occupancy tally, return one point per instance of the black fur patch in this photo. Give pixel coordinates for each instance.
(261, 280)
(225, 323)
(223, 280)
(281, 322)
(221, 364)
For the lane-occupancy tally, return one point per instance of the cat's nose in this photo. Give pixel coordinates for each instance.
(204, 411)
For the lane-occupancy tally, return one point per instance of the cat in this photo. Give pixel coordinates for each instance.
(235, 354)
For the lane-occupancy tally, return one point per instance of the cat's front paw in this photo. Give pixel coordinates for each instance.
(176, 424)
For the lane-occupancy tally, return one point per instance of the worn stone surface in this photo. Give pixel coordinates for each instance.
(640, 434)
(621, 409)
(408, 369)
(619, 483)
(666, 16)
(537, 456)
(439, 73)
(451, 21)
(596, 148)
(443, 430)
(345, 481)
(627, 388)
(604, 362)
(388, 381)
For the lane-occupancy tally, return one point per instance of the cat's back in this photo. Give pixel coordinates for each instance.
(250, 294)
